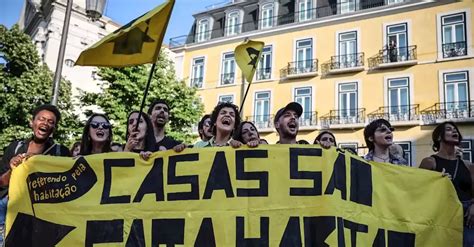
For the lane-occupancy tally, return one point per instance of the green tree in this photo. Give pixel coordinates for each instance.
(25, 83)
(122, 92)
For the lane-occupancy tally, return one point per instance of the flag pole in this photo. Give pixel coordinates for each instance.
(145, 93)
(245, 95)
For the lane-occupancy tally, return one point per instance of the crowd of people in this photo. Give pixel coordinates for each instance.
(223, 127)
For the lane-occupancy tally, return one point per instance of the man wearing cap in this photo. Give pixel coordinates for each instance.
(286, 123)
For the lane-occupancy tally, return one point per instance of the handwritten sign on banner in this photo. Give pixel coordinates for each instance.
(279, 195)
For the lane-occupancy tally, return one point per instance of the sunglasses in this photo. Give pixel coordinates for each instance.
(385, 129)
(325, 139)
(104, 125)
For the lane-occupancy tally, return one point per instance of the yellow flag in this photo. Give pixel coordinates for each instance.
(138, 42)
(247, 56)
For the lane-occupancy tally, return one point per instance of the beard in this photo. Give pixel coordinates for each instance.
(286, 133)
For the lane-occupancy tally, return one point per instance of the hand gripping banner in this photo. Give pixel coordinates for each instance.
(279, 195)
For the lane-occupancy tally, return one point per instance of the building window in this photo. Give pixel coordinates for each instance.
(348, 100)
(399, 99)
(352, 146)
(262, 109)
(453, 29)
(203, 30)
(304, 55)
(394, 1)
(305, 8)
(303, 96)
(267, 16)
(233, 25)
(347, 6)
(456, 88)
(397, 43)
(406, 146)
(347, 50)
(198, 72)
(69, 62)
(264, 71)
(228, 69)
(467, 152)
(226, 98)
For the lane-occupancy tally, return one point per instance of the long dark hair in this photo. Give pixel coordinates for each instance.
(86, 142)
(149, 133)
(438, 134)
(318, 138)
(238, 132)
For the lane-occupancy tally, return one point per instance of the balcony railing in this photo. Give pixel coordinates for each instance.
(454, 49)
(300, 67)
(197, 82)
(262, 121)
(264, 74)
(346, 116)
(308, 119)
(299, 16)
(227, 78)
(448, 110)
(393, 55)
(399, 113)
(340, 62)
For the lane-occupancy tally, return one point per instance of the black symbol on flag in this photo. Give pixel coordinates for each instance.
(253, 55)
(132, 41)
(29, 231)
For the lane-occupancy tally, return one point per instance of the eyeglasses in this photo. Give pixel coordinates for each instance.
(326, 139)
(384, 129)
(104, 125)
(207, 123)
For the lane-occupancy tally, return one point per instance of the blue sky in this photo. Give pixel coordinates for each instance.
(122, 12)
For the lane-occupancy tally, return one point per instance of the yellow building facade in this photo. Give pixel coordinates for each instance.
(347, 63)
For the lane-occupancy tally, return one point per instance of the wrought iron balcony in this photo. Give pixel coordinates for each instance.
(344, 63)
(227, 78)
(197, 82)
(262, 122)
(322, 11)
(264, 74)
(308, 119)
(392, 56)
(346, 116)
(399, 113)
(455, 111)
(297, 68)
(454, 49)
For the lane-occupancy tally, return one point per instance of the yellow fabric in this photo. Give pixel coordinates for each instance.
(402, 199)
(247, 56)
(138, 42)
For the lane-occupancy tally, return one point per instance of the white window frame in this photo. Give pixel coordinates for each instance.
(254, 105)
(359, 92)
(299, 11)
(236, 27)
(350, 3)
(207, 35)
(273, 19)
(311, 93)
(468, 34)
(410, 150)
(222, 67)
(256, 77)
(203, 71)
(411, 85)
(231, 95)
(304, 68)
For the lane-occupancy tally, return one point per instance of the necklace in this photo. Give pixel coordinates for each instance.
(383, 159)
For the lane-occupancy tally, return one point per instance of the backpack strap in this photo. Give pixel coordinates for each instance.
(18, 146)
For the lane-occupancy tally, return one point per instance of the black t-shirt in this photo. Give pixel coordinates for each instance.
(18, 147)
(167, 142)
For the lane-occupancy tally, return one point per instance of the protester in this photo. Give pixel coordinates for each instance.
(75, 149)
(446, 137)
(326, 139)
(97, 135)
(224, 120)
(45, 119)
(141, 139)
(159, 113)
(378, 137)
(204, 130)
(247, 133)
(286, 123)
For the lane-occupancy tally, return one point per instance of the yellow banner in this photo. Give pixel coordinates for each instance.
(279, 195)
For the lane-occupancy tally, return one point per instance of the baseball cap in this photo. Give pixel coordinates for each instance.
(291, 106)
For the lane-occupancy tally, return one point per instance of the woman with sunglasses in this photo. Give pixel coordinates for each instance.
(378, 137)
(97, 135)
(326, 139)
(141, 139)
(446, 138)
